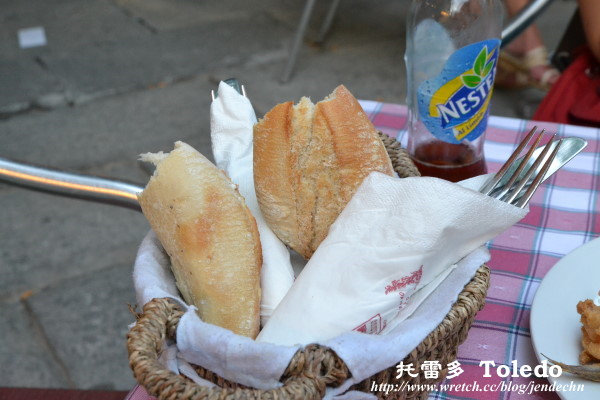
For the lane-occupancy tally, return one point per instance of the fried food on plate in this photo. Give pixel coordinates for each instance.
(590, 328)
(589, 358)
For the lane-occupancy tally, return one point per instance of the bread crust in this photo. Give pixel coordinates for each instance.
(210, 236)
(275, 187)
(308, 162)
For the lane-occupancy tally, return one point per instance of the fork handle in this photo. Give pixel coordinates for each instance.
(523, 201)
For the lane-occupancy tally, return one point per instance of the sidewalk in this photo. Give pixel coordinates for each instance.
(121, 77)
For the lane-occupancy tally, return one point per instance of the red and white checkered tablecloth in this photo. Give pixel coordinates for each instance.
(564, 214)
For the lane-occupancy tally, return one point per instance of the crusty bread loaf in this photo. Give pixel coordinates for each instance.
(308, 162)
(210, 235)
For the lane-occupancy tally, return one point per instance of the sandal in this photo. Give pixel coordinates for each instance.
(529, 70)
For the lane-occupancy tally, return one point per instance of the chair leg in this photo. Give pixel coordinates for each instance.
(523, 19)
(328, 20)
(306, 14)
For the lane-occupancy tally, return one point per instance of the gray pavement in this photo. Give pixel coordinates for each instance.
(122, 77)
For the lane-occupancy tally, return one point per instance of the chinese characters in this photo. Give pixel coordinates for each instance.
(430, 369)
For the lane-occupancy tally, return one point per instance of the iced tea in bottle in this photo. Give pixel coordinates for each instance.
(451, 55)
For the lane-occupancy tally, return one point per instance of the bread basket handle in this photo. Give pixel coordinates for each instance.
(309, 372)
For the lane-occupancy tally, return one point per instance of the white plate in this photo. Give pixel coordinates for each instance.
(555, 326)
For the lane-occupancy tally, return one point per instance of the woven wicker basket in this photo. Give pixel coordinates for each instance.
(312, 368)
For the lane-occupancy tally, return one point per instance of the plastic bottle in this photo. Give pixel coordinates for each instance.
(451, 54)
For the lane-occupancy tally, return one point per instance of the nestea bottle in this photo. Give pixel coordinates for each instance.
(451, 54)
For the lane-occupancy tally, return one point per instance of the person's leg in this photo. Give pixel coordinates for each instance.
(530, 38)
(529, 48)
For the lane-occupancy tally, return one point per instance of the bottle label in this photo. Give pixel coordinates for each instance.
(454, 106)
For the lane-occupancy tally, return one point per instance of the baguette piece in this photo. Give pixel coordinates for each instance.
(272, 144)
(308, 162)
(210, 236)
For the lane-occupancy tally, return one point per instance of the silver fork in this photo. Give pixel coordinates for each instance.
(516, 186)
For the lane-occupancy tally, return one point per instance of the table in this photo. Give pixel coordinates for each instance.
(563, 216)
(59, 394)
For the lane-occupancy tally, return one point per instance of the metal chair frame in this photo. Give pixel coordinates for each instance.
(124, 194)
(515, 26)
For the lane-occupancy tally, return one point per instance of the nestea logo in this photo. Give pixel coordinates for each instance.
(477, 83)
(455, 104)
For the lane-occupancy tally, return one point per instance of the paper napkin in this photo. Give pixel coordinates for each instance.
(390, 247)
(232, 118)
(393, 263)
(386, 233)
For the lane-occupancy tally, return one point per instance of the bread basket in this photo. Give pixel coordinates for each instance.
(314, 367)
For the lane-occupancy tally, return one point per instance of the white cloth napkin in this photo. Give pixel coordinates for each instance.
(232, 118)
(395, 238)
(261, 364)
(234, 357)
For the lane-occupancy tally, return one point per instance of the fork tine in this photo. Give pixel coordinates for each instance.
(514, 192)
(522, 165)
(522, 202)
(491, 184)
